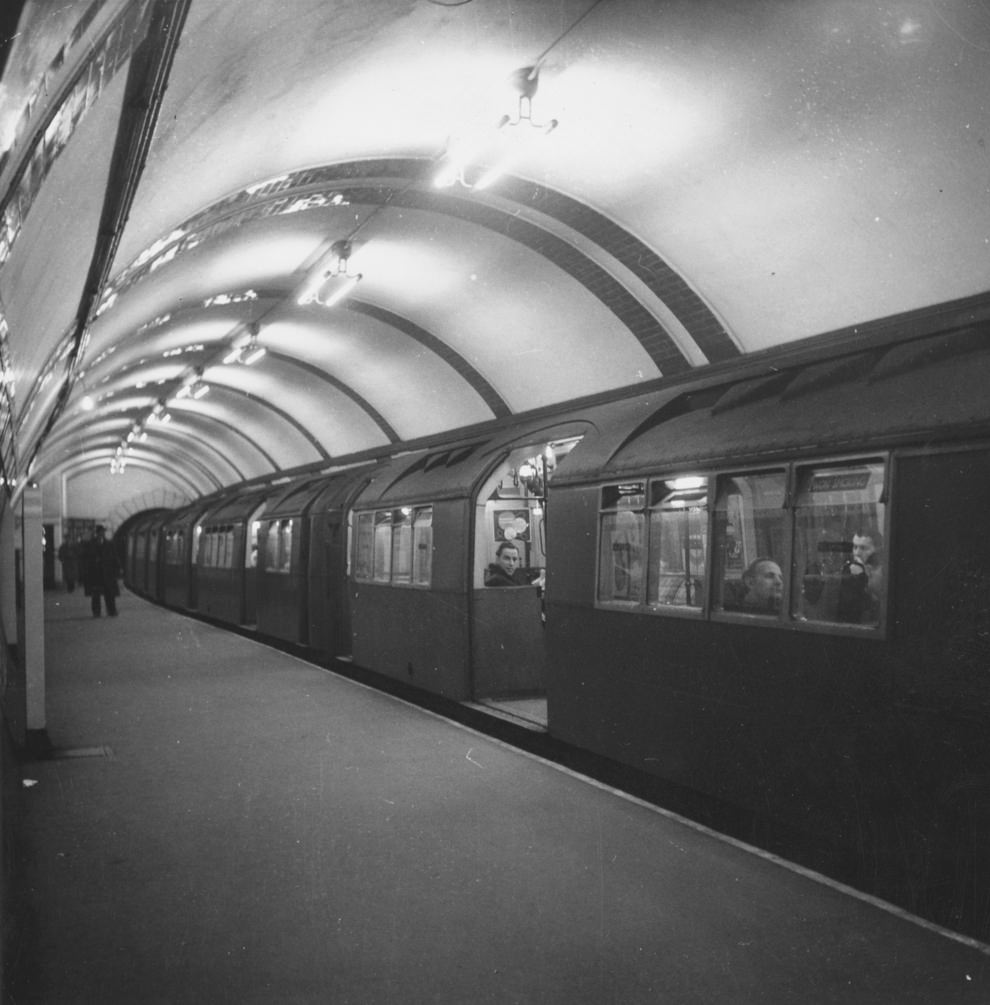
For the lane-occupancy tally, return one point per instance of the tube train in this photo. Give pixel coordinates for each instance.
(765, 583)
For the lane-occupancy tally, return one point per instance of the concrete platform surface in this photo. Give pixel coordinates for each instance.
(227, 824)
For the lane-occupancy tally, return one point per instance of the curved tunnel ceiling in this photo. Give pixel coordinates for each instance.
(720, 178)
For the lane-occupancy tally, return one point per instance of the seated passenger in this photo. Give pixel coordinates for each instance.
(505, 571)
(763, 585)
(861, 585)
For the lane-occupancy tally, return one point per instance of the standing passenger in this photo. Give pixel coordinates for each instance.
(101, 570)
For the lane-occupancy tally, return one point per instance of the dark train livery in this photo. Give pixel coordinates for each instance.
(768, 584)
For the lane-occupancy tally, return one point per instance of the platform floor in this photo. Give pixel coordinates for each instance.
(227, 824)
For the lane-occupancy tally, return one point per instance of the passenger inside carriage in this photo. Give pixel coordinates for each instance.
(760, 589)
(506, 570)
(861, 585)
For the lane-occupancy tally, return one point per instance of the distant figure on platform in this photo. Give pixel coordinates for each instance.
(68, 555)
(101, 570)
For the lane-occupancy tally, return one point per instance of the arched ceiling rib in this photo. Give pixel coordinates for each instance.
(485, 391)
(236, 460)
(172, 475)
(516, 216)
(725, 177)
(321, 375)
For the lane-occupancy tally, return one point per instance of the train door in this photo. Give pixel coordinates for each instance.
(340, 641)
(328, 588)
(250, 559)
(510, 548)
(194, 546)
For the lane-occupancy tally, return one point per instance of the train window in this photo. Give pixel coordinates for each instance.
(620, 542)
(422, 571)
(402, 547)
(278, 546)
(394, 546)
(284, 545)
(364, 534)
(750, 536)
(678, 542)
(174, 547)
(382, 572)
(838, 544)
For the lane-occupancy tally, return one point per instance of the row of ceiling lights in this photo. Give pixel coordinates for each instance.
(331, 280)
(244, 349)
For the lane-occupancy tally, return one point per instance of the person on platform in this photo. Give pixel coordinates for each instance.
(101, 570)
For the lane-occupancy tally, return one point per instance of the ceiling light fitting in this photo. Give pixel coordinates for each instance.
(245, 349)
(193, 386)
(329, 285)
(457, 160)
(527, 81)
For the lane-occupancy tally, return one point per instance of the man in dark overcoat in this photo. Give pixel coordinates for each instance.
(100, 572)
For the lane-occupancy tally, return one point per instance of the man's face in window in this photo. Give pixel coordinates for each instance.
(765, 584)
(509, 560)
(863, 548)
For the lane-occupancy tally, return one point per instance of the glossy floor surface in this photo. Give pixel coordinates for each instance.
(224, 823)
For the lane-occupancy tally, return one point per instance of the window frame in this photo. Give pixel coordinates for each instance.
(277, 533)
(366, 527)
(622, 489)
(788, 618)
(652, 507)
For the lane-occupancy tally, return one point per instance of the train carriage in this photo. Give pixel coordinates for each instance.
(425, 532)
(153, 565)
(328, 622)
(772, 591)
(283, 543)
(302, 562)
(141, 550)
(227, 556)
(179, 549)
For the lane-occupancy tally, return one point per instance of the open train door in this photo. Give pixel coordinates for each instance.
(509, 565)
